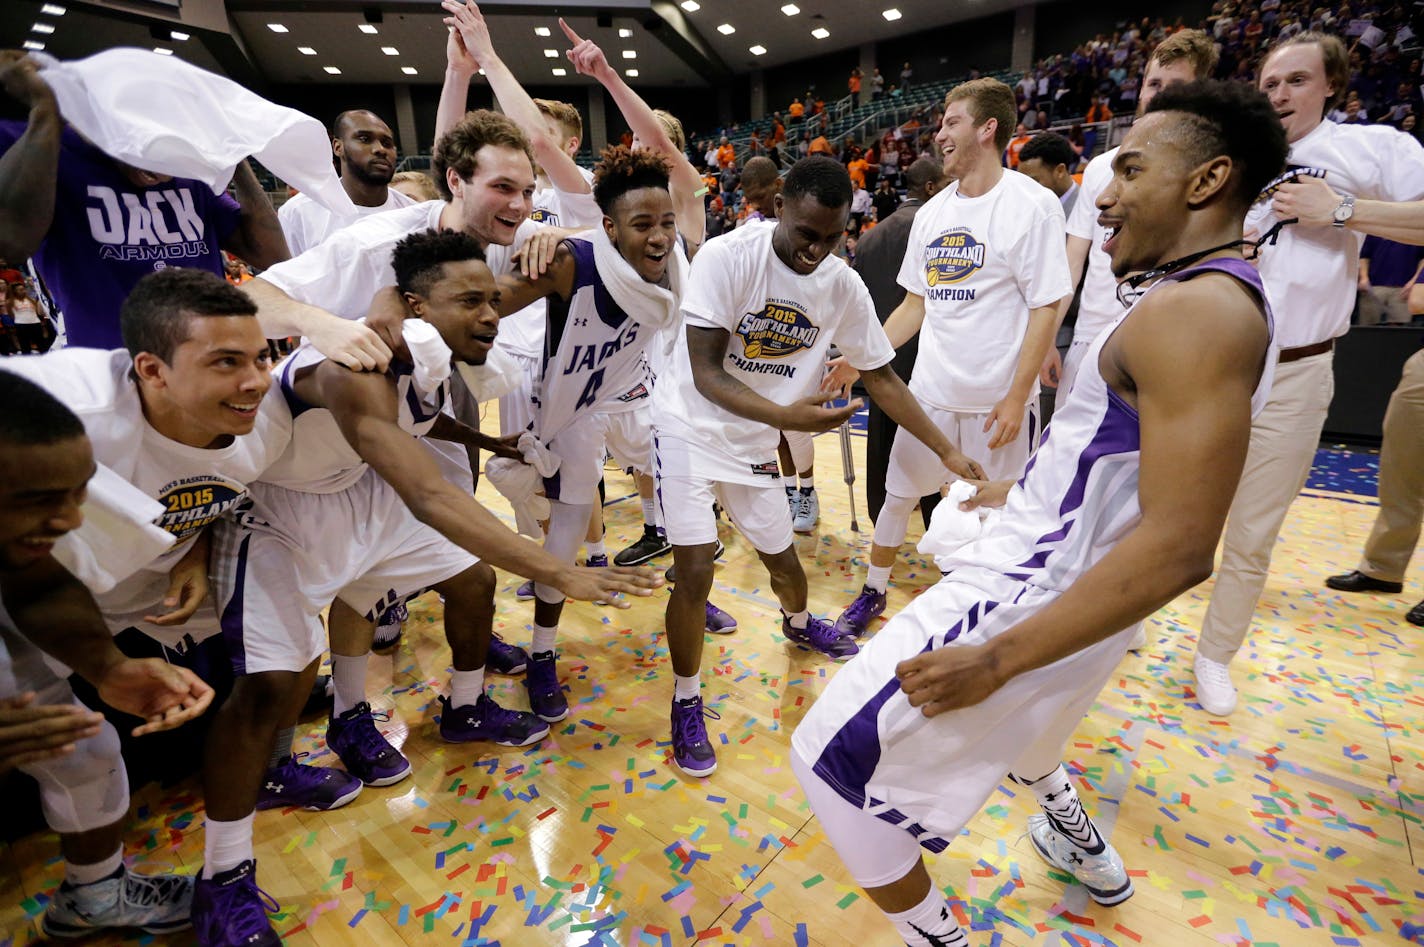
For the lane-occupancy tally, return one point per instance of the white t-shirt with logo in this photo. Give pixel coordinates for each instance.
(306, 223)
(1098, 307)
(1311, 272)
(781, 325)
(981, 263)
(195, 485)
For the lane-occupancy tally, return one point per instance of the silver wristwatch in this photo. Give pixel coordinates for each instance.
(1345, 211)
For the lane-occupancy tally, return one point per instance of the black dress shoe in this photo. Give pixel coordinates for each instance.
(1357, 581)
(1415, 616)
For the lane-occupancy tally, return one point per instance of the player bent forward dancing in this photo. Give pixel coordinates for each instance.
(988, 673)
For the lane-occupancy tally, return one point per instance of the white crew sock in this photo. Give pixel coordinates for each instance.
(596, 549)
(878, 577)
(650, 511)
(929, 924)
(688, 687)
(808, 482)
(226, 844)
(798, 619)
(544, 639)
(348, 678)
(466, 687)
(78, 875)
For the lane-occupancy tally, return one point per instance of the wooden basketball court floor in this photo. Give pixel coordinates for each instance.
(1295, 822)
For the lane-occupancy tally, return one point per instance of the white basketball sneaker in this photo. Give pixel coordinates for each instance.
(1102, 874)
(1215, 692)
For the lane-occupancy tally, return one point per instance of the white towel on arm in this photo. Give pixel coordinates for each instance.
(164, 115)
(118, 536)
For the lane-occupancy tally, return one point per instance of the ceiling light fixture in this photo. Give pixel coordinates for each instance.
(276, 28)
(306, 50)
(390, 50)
(820, 32)
(691, 6)
(180, 37)
(162, 52)
(891, 14)
(631, 73)
(52, 9)
(791, 9)
(551, 54)
(630, 54)
(561, 72)
(409, 70)
(332, 70)
(34, 44)
(366, 27)
(43, 28)
(625, 33)
(726, 29)
(542, 31)
(757, 50)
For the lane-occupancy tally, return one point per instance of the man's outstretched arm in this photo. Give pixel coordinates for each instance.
(364, 406)
(707, 351)
(1195, 422)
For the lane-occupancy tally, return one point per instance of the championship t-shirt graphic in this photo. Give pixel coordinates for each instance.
(780, 329)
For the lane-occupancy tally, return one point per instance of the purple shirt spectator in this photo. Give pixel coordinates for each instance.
(108, 233)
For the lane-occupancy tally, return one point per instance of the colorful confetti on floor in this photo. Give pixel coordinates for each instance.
(1295, 822)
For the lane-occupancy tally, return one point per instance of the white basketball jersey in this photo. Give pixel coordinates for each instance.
(1079, 494)
(319, 459)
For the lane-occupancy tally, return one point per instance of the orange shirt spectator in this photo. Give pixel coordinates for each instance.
(778, 132)
(1099, 112)
(796, 109)
(1016, 145)
(726, 154)
(857, 169)
(820, 146)
(854, 83)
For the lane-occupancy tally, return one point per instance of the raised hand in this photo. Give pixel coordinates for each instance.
(20, 77)
(586, 57)
(469, 23)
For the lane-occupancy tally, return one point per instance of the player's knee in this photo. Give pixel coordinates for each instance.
(473, 588)
(258, 700)
(694, 572)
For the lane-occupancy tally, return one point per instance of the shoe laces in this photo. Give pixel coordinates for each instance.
(364, 731)
(150, 890)
(863, 603)
(688, 726)
(1213, 673)
(491, 714)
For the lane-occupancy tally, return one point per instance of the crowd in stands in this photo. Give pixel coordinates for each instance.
(1078, 93)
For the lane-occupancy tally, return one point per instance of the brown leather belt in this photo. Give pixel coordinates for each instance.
(1305, 351)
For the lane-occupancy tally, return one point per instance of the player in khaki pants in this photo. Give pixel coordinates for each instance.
(1401, 495)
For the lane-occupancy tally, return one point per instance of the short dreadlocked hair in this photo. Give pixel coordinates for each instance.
(620, 170)
(419, 258)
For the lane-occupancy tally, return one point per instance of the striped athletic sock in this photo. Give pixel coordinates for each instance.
(1060, 803)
